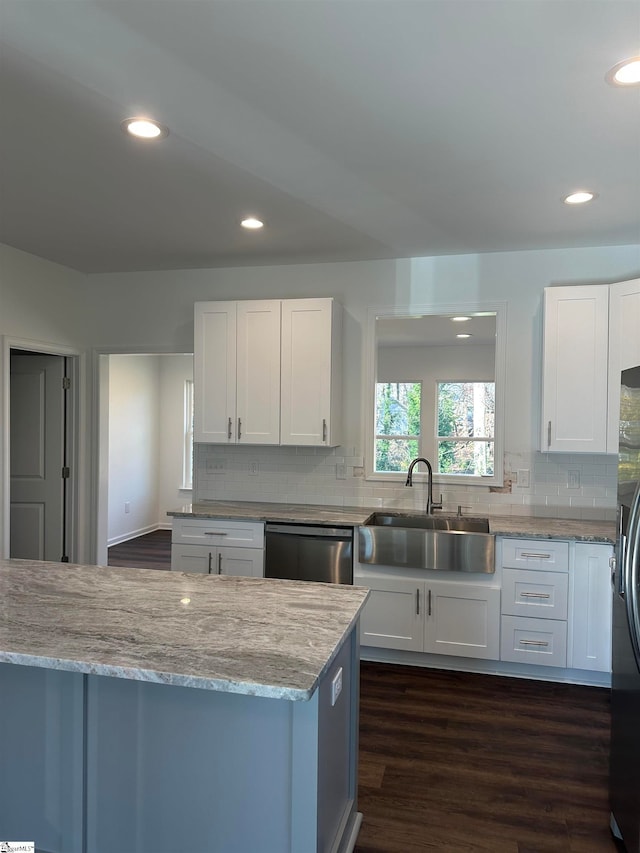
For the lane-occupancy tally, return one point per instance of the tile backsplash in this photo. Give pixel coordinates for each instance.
(560, 485)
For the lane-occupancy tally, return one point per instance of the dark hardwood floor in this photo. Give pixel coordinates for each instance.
(151, 551)
(467, 763)
(464, 762)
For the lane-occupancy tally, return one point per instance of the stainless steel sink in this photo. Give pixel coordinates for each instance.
(429, 522)
(440, 543)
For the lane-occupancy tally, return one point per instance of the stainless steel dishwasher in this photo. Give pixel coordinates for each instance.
(304, 553)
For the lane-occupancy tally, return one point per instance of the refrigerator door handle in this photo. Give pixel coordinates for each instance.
(631, 572)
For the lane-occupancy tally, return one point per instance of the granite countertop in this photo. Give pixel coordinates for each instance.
(254, 636)
(512, 526)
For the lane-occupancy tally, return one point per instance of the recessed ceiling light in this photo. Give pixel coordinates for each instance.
(625, 73)
(463, 336)
(144, 128)
(460, 319)
(579, 197)
(251, 223)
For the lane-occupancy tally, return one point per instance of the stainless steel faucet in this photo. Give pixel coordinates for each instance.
(430, 502)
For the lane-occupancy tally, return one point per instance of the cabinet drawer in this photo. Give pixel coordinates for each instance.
(543, 595)
(216, 531)
(535, 554)
(535, 641)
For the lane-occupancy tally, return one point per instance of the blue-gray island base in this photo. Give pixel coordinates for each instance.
(157, 712)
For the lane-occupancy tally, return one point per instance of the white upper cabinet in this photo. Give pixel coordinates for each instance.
(237, 372)
(590, 333)
(311, 372)
(624, 346)
(268, 372)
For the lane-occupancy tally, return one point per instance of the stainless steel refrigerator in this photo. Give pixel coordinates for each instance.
(624, 776)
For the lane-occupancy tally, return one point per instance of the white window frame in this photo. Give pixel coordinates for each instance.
(438, 439)
(187, 446)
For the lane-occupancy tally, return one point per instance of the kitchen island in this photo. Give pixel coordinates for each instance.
(156, 712)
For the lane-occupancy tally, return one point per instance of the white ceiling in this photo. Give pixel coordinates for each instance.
(357, 129)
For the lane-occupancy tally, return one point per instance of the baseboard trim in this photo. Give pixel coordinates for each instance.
(133, 534)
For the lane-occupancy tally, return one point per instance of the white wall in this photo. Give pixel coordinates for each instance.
(154, 311)
(134, 445)
(146, 419)
(174, 371)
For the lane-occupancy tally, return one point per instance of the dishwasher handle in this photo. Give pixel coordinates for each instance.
(319, 532)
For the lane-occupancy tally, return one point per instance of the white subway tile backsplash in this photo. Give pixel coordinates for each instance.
(308, 475)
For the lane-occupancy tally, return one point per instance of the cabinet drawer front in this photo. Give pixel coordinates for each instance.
(536, 641)
(218, 532)
(535, 554)
(543, 595)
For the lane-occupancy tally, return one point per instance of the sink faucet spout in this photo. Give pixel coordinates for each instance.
(431, 505)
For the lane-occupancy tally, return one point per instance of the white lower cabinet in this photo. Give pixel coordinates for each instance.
(590, 613)
(217, 547)
(537, 641)
(433, 616)
(248, 562)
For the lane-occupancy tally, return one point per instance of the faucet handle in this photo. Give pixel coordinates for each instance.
(437, 505)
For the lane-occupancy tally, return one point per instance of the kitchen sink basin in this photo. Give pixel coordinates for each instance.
(439, 543)
(429, 522)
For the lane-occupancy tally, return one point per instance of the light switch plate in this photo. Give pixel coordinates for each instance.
(336, 686)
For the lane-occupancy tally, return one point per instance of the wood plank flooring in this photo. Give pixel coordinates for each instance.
(464, 762)
(468, 763)
(151, 551)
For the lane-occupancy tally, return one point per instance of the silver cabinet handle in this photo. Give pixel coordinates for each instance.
(534, 643)
(549, 434)
(535, 556)
(215, 533)
(535, 595)
(324, 429)
(429, 604)
(219, 564)
(209, 562)
(418, 602)
(229, 430)
(239, 429)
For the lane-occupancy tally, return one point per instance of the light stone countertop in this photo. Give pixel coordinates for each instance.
(512, 526)
(253, 636)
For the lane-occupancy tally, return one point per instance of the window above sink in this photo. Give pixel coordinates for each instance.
(435, 388)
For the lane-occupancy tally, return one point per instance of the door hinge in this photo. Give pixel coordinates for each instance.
(66, 383)
(66, 472)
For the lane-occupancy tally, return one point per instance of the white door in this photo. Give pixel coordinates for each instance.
(575, 369)
(306, 371)
(37, 440)
(462, 620)
(214, 372)
(258, 372)
(624, 346)
(393, 615)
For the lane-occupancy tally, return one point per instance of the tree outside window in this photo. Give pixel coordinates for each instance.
(466, 428)
(397, 425)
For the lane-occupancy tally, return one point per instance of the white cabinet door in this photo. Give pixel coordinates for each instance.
(393, 615)
(462, 619)
(244, 562)
(590, 611)
(311, 372)
(236, 365)
(624, 345)
(214, 372)
(258, 372)
(192, 558)
(575, 369)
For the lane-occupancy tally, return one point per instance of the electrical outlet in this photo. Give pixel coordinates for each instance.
(524, 478)
(127, 507)
(336, 686)
(216, 465)
(254, 467)
(573, 478)
(341, 472)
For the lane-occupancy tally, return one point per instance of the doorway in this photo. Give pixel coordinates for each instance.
(42, 477)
